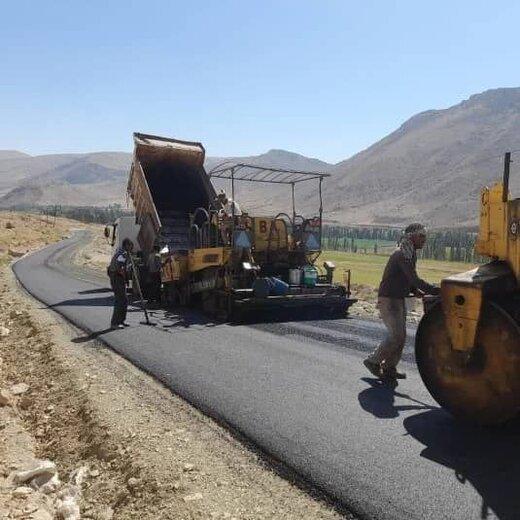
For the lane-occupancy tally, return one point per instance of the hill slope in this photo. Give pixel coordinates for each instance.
(432, 168)
(100, 179)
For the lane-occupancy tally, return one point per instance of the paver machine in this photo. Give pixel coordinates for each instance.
(468, 342)
(230, 264)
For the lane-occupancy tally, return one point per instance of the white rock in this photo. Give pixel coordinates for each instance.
(78, 476)
(43, 468)
(22, 492)
(192, 498)
(4, 331)
(68, 509)
(19, 389)
(133, 482)
(41, 514)
(106, 514)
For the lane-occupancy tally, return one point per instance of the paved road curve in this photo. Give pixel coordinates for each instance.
(299, 391)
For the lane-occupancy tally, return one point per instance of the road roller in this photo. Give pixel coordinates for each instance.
(468, 342)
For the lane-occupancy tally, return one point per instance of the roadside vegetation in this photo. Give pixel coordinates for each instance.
(367, 269)
(453, 245)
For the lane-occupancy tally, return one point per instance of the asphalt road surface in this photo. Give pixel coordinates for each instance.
(300, 393)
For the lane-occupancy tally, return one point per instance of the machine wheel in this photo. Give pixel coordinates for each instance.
(480, 386)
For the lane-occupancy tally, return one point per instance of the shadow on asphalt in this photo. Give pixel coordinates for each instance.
(102, 301)
(91, 336)
(96, 291)
(379, 400)
(485, 458)
(180, 318)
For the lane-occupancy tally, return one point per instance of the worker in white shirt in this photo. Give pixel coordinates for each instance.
(230, 207)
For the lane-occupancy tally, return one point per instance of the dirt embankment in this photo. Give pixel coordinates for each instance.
(97, 253)
(116, 443)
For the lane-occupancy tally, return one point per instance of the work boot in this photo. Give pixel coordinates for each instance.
(373, 368)
(125, 324)
(392, 373)
(117, 326)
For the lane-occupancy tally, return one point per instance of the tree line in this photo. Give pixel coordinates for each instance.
(87, 214)
(454, 245)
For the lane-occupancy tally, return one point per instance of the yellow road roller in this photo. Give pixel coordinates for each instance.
(468, 342)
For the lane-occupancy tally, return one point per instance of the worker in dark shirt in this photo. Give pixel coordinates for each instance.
(154, 275)
(118, 273)
(400, 280)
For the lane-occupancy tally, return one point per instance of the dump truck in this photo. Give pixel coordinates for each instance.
(230, 264)
(468, 341)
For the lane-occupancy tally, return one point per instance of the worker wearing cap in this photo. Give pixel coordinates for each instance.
(231, 207)
(400, 280)
(118, 272)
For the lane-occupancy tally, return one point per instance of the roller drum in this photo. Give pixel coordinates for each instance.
(482, 385)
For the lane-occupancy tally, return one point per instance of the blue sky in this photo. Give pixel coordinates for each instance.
(323, 78)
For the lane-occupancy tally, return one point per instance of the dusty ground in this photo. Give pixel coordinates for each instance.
(366, 307)
(96, 255)
(20, 233)
(143, 453)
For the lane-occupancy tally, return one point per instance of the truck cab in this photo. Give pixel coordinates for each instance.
(123, 227)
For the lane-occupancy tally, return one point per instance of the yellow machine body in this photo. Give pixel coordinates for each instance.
(269, 233)
(499, 231)
(463, 294)
(177, 267)
(467, 345)
(199, 259)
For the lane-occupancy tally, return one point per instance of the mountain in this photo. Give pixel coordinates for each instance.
(100, 179)
(11, 154)
(73, 179)
(268, 198)
(432, 168)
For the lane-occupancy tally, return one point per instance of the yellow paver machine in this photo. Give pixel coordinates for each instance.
(468, 343)
(231, 263)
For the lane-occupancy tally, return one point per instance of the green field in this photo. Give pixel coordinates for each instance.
(368, 269)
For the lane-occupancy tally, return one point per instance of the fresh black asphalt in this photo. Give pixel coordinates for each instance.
(299, 392)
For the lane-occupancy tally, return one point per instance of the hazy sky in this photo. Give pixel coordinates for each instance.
(322, 78)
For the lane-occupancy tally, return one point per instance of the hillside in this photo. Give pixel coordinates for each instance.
(432, 168)
(75, 179)
(100, 179)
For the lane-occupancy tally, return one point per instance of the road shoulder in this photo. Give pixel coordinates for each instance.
(148, 453)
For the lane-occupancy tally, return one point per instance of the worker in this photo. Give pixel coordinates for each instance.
(400, 280)
(118, 273)
(231, 207)
(154, 270)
